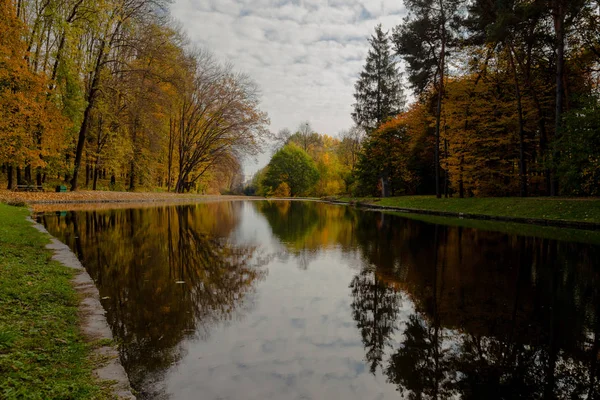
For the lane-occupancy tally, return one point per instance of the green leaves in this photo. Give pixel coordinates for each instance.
(293, 166)
(378, 91)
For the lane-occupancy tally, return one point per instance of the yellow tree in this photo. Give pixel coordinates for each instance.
(25, 110)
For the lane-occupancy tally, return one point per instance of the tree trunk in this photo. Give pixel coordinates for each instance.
(522, 165)
(559, 16)
(95, 183)
(38, 176)
(81, 139)
(11, 179)
(438, 114)
(132, 164)
(170, 153)
(88, 172)
(91, 101)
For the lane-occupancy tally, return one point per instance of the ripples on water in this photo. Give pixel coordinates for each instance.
(294, 300)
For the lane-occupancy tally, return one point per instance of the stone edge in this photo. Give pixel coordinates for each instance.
(94, 325)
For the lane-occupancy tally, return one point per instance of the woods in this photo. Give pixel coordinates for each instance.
(111, 95)
(506, 98)
(506, 101)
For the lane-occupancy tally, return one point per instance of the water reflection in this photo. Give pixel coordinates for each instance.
(164, 274)
(356, 304)
(496, 316)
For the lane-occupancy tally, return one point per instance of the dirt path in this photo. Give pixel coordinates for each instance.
(88, 196)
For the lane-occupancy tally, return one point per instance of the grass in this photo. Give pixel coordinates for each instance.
(42, 352)
(586, 210)
(511, 228)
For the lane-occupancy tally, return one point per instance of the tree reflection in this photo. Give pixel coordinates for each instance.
(443, 312)
(495, 316)
(374, 308)
(491, 315)
(184, 277)
(305, 228)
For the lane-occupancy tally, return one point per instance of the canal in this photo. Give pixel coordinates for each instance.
(307, 300)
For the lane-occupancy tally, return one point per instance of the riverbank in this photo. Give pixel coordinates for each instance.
(45, 352)
(98, 196)
(560, 212)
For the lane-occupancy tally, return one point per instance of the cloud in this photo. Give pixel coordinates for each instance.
(304, 54)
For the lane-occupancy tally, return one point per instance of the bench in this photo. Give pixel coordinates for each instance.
(29, 188)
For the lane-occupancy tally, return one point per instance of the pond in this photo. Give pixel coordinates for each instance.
(306, 300)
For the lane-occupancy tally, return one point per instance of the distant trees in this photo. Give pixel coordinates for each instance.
(378, 91)
(291, 169)
(335, 160)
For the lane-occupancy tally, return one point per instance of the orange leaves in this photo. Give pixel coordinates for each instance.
(31, 126)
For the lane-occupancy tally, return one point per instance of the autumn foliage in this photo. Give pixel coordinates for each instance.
(109, 95)
(506, 102)
(31, 126)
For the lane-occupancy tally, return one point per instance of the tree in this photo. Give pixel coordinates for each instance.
(293, 166)
(564, 14)
(348, 153)
(383, 164)
(350, 144)
(424, 40)
(110, 37)
(25, 110)
(307, 139)
(378, 91)
(218, 116)
(281, 138)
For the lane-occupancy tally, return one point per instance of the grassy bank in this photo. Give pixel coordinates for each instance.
(42, 352)
(580, 210)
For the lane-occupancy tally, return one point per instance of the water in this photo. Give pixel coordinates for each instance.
(303, 300)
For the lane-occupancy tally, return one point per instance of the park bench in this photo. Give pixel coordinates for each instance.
(29, 188)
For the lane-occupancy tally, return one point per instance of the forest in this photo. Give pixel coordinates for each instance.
(505, 102)
(462, 98)
(111, 95)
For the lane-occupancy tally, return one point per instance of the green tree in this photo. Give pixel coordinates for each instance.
(293, 166)
(378, 91)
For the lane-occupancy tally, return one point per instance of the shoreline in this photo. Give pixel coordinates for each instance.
(55, 340)
(558, 223)
(425, 205)
(92, 323)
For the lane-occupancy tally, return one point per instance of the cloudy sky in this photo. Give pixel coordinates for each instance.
(304, 54)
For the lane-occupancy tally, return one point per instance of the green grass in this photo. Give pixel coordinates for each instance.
(587, 210)
(42, 352)
(511, 228)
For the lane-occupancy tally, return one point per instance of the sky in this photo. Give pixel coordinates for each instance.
(305, 55)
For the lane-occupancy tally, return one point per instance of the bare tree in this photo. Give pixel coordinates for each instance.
(219, 116)
(350, 145)
(281, 138)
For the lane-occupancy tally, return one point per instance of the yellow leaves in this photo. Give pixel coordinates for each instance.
(283, 190)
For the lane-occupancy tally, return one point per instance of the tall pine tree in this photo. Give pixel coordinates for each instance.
(378, 91)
